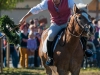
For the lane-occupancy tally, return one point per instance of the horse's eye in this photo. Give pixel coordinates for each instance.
(80, 17)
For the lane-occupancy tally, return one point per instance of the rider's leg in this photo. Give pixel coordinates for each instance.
(53, 30)
(88, 53)
(50, 53)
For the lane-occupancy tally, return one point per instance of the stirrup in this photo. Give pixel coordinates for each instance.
(49, 62)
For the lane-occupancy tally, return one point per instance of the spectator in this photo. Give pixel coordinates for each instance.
(38, 39)
(97, 45)
(13, 53)
(23, 46)
(4, 51)
(36, 22)
(42, 25)
(31, 22)
(40, 31)
(99, 27)
(35, 29)
(27, 25)
(31, 45)
(36, 58)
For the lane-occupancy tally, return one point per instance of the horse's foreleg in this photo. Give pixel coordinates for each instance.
(51, 70)
(76, 72)
(48, 70)
(61, 71)
(41, 62)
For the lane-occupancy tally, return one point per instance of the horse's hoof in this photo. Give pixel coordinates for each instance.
(49, 62)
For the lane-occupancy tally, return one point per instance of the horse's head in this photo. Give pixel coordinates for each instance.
(82, 21)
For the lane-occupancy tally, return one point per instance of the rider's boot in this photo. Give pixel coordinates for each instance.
(49, 62)
(88, 52)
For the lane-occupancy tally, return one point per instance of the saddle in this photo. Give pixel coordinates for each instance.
(57, 38)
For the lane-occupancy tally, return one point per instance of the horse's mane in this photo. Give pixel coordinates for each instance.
(82, 7)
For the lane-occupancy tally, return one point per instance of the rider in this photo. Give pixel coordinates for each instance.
(60, 10)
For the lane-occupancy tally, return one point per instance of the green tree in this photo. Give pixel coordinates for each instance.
(8, 4)
(6, 21)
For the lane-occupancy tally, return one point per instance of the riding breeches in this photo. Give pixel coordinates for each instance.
(53, 30)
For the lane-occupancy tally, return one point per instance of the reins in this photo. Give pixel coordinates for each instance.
(71, 32)
(74, 34)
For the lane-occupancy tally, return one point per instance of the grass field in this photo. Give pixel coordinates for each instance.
(41, 71)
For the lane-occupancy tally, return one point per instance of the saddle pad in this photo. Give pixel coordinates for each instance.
(45, 46)
(54, 45)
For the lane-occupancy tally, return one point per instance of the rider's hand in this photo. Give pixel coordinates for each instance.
(23, 20)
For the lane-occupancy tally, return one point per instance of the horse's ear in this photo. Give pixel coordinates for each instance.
(86, 6)
(75, 9)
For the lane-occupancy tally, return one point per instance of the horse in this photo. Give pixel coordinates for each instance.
(69, 57)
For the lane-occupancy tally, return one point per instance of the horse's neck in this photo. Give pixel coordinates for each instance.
(72, 40)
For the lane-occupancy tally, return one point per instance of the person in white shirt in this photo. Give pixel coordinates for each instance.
(60, 10)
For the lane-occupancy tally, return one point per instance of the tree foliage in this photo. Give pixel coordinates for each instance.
(6, 24)
(8, 4)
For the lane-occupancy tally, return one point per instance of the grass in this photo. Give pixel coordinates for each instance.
(19, 71)
(41, 71)
(90, 70)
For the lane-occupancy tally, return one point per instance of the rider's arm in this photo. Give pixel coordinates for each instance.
(40, 7)
(35, 10)
(71, 4)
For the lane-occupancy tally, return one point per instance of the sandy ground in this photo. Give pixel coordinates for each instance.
(90, 73)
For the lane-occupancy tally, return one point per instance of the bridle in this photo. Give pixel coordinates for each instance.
(83, 27)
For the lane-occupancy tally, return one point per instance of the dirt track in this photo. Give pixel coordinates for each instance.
(90, 73)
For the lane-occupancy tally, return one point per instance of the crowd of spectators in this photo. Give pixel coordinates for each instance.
(94, 45)
(25, 54)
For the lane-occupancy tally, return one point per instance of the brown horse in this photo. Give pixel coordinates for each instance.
(69, 57)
